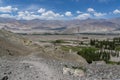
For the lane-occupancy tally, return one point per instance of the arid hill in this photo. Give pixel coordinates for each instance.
(16, 45)
(12, 44)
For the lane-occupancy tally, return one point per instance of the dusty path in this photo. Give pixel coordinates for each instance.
(44, 71)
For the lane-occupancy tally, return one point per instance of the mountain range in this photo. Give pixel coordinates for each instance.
(61, 26)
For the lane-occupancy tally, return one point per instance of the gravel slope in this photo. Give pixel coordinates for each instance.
(33, 68)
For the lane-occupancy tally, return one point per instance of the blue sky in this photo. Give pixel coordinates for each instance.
(59, 9)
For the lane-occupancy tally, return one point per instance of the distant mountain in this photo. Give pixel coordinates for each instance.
(61, 26)
(115, 20)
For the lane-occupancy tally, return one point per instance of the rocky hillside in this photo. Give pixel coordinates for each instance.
(12, 44)
(16, 45)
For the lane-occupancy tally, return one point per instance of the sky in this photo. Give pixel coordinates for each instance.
(59, 9)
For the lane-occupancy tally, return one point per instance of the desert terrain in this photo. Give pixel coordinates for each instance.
(36, 57)
(59, 39)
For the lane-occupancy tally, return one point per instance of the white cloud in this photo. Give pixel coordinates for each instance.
(8, 9)
(50, 15)
(27, 15)
(116, 11)
(90, 10)
(78, 12)
(42, 13)
(99, 14)
(6, 16)
(95, 13)
(83, 16)
(68, 13)
(41, 10)
(14, 9)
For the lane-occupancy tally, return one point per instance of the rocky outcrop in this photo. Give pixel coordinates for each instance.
(74, 72)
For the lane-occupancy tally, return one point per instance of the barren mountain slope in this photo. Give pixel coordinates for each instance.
(31, 67)
(63, 26)
(11, 44)
(14, 45)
